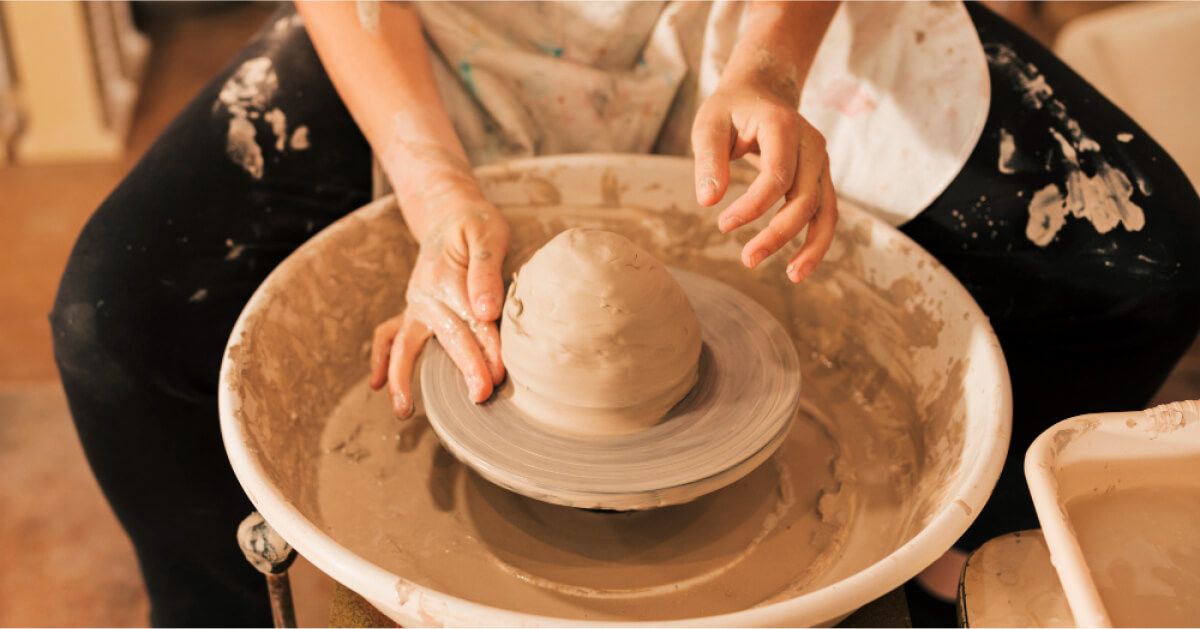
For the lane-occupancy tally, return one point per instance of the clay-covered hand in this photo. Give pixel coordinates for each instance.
(757, 113)
(455, 293)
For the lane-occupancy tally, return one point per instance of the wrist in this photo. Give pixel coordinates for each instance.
(430, 198)
(437, 212)
(777, 48)
(449, 193)
(763, 72)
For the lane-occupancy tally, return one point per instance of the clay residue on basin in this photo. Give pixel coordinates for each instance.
(872, 456)
(389, 491)
(299, 354)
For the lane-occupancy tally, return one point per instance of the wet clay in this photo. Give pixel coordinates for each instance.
(731, 421)
(1142, 549)
(597, 336)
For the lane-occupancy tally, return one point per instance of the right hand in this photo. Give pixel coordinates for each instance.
(455, 293)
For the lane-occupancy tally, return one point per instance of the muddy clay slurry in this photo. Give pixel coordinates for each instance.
(861, 469)
(1142, 549)
(442, 526)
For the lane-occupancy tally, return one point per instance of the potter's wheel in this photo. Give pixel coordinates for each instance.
(910, 388)
(734, 418)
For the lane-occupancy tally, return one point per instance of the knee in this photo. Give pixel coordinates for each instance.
(1162, 285)
(86, 347)
(1169, 257)
(75, 334)
(1163, 277)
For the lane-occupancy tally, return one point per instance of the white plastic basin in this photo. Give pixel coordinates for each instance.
(882, 321)
(1118, 497)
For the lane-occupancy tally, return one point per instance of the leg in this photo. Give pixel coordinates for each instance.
(1078, 241)
(151, 292)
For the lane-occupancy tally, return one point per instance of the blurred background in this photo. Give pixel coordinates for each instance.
(85, 87)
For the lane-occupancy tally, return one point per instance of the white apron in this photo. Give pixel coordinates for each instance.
(900, 90)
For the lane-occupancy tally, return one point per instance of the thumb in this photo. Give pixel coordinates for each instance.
(486, 247)
(711, 139)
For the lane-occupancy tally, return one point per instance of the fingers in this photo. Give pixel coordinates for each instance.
(820, 233)
(802, 202)
(483, 285)
(488, 338)
(474, 348)
(405, 348)
(464, 349)
(381, 347)
(485, 249)
(455, 294)
(711, 141)
(777, 146)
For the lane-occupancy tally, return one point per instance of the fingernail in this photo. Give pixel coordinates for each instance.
(757, 257)
(797, 272)
(401, 407)
(727, 224)
(708, 184)
(475, 385)
(486, 305)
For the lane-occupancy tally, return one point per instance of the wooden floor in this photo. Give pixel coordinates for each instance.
(63, 558)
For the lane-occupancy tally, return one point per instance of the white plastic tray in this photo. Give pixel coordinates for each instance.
(1093, 454)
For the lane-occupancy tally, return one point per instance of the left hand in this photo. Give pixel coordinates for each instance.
(455, 293)
(759, 114)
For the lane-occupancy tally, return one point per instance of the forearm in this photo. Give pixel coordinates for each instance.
(778, 44)
(385, 78)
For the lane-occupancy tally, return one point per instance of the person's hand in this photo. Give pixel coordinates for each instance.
(758, 114)
(455, 293)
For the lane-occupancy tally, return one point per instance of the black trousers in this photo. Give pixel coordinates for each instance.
(1089, 322)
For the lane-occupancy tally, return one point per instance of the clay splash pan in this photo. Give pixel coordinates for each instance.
(732, 420)
(1118, 497)
(901, 433)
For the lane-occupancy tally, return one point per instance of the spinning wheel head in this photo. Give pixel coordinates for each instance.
(732, 420)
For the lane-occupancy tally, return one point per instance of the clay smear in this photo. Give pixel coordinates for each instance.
(247, 92)
(288, 22)
(368, 15)
(1103, 198)
(245, 96)
(1008, 149)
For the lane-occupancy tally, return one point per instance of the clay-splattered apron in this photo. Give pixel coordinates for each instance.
(900, 90)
